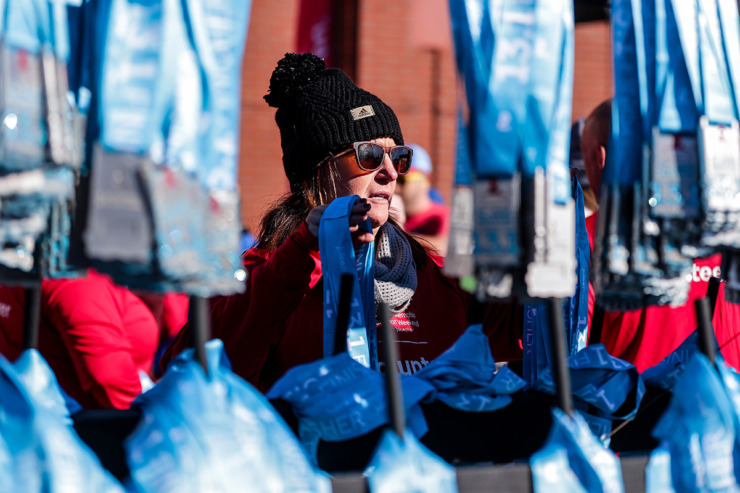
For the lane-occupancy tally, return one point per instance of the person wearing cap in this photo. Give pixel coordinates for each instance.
(426, 218)
(338, 140)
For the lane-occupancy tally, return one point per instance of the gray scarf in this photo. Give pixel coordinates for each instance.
(395, 270)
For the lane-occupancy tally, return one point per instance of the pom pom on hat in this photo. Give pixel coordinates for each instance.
(293, 73)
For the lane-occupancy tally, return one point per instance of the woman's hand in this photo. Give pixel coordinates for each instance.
(357, 216)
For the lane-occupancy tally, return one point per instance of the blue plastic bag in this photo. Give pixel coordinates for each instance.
(574, 460)
(399, 466)
(465, 375)
(658, 472)
(214, 433)
(602, 384)
(337, 399)
(698, 430)
(45, 452)
(731, 383)
(41, 384)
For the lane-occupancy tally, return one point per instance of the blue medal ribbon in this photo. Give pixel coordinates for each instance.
(498, 152)
(624, 153)
(338, 256)
(130, 98)
(716, 80)
(677, 107)
(219, 31)
(493, 52)
(546, 132)
(704, 34)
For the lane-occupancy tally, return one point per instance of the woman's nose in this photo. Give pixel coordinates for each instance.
(388, 168)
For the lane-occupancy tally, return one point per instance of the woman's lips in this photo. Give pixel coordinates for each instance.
(380, 198)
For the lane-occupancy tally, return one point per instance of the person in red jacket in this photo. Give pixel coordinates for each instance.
(645, 336)
(339, 140)
(96, 337)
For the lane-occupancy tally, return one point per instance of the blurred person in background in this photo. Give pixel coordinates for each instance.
(425, 217)
(398, 210)
(576, 162)
(645, 336)
(339, 140)
(170, 311)
(96, 337)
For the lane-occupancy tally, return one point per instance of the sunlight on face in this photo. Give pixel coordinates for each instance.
(376, 186)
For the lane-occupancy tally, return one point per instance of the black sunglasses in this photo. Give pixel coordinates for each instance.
(370, 156)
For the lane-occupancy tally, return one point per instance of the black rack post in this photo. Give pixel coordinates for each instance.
(712, 294)
(560, 369)
(345, 300)
(32, 313)
(706, 330)
(201, 329)
(396, 414)
(597, 323)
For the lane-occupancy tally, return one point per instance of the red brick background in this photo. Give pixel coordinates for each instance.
(400, 45)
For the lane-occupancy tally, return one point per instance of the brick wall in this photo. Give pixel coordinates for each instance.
(592, 81)
(395, 61)
(272, 33)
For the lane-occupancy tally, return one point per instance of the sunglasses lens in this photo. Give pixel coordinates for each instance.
(401, 157)
(370, 156)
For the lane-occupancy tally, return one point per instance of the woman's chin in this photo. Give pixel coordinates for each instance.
(377, 220)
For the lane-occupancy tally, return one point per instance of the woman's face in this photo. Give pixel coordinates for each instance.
(375, 186)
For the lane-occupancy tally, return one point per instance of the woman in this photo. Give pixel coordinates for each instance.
(337, 140)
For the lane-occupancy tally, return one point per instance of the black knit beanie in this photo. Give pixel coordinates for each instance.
(321, 111)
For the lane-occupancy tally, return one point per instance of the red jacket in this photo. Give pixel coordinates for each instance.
(277, 322)
(644, 337)
(95, 336)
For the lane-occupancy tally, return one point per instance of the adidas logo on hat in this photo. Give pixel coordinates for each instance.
(362, 112)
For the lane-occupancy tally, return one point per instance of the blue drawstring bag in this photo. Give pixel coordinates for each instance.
(605, 388)
(666, 373)
(214, 433)
(574, 460)
(41, 384)
(698, 430)
(337, 398)
(399, 466)
(465, 376)
(44, 451)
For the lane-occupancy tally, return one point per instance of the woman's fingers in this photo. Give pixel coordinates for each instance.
(357, 216)
(359, 212)
(363, 237)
